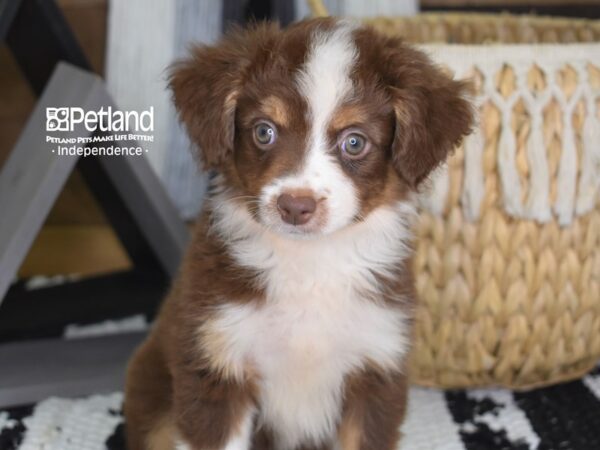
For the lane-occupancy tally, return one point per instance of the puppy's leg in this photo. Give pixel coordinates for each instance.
(240, 440)
(373, 411)
(212, 413)
(147, 406)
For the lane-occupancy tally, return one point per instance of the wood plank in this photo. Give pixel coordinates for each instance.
(87, 18)
(74, 249)
(32, 371)
(33, 175)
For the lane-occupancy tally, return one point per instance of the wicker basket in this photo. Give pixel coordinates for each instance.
(508, 251)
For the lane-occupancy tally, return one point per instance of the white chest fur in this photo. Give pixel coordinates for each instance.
(319, 323)
(302, 347)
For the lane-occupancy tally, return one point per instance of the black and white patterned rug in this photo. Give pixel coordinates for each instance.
(562, 417)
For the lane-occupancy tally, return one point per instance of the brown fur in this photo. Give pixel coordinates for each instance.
(168, 379)
(177, 385)
(374, 409)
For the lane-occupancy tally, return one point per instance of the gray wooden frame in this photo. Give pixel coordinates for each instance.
(33, 177)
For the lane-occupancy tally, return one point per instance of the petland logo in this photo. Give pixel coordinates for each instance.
(109, 132)
(66, 119)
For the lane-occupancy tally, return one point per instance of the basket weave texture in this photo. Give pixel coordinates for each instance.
(508, 247)
(507, 259)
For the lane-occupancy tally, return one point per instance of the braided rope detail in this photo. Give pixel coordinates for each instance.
(546, 86)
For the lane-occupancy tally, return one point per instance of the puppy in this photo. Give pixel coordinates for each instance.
(289, 324)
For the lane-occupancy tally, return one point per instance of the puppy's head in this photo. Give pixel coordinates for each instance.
(315, 126)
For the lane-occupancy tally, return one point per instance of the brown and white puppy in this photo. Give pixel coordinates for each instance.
(289, 324)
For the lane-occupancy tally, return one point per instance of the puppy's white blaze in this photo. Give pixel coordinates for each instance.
(325, 82)
(325, 78)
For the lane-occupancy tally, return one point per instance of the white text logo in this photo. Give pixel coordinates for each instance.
(105, 119)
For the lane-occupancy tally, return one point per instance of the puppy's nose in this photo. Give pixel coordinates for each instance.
(296, 210)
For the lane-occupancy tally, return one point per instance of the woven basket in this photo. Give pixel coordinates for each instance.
(507, 258)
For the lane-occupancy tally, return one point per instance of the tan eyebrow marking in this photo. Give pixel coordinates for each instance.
(276, 109)
(346, 116)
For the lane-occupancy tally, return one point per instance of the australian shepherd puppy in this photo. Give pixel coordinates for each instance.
(289, 324)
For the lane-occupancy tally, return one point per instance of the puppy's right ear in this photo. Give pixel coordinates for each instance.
(206, 87)
(432, 111)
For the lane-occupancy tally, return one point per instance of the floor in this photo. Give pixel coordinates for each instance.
(565, 417)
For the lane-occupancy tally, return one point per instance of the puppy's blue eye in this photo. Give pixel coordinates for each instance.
(354, 145)
(264, 134)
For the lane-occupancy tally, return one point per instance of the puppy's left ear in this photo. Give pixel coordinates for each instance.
(432, 112)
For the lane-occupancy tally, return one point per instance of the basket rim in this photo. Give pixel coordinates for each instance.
(318, 9)
(518, 51)
(541, 23)
(493, 17)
